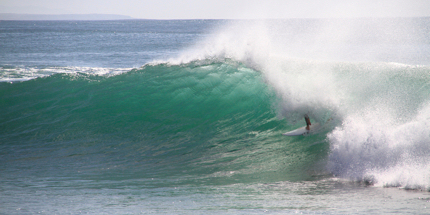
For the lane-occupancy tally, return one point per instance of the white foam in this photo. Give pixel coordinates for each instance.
(17, 74)
(373, 144)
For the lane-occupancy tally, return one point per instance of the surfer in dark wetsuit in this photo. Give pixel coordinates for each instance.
(308, 122)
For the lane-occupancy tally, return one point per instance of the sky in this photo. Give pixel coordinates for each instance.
(223, 9)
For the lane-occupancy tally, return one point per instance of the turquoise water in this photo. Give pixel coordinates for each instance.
(180, 117)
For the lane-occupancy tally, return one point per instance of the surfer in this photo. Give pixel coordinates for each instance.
(305, 129)
(308, 122)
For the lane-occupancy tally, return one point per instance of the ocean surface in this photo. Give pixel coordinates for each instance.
(187, 116)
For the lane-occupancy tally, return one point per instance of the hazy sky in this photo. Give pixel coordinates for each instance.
(223, 9)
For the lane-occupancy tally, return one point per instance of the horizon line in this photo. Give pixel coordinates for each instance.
(101, 17)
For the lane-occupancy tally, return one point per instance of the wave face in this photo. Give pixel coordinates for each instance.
(215, 113)
(208, 122)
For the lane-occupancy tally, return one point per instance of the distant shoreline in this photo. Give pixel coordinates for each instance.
(17, 16)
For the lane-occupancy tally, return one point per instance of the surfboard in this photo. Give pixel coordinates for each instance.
(303, 130)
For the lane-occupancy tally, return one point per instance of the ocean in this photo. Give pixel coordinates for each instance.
(187, 116)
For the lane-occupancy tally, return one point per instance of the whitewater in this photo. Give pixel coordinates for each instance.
(187, 116)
